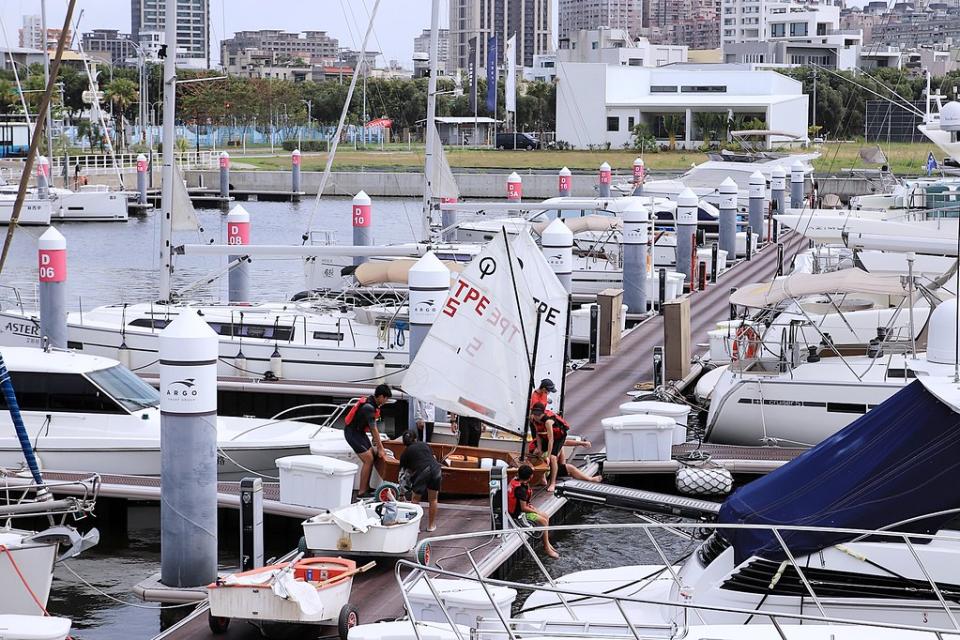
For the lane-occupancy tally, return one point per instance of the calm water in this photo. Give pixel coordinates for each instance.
(111, 262)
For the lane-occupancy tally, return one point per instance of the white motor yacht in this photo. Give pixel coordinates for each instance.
(92, 414)
(33, 212)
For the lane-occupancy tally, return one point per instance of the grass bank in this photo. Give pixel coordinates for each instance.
(903, 158)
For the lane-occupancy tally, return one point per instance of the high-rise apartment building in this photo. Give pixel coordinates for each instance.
(421, 44)
(117, 46)
(193, 27)
(578, 15)
(529, 20)
(309, 46)
(31, 34)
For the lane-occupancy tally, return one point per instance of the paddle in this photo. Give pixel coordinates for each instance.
(347, 574)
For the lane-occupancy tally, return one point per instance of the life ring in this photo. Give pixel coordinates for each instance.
(746, 343)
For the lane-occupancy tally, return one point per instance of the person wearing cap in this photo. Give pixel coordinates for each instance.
(361, 418)
(547, 445)
(541, 395)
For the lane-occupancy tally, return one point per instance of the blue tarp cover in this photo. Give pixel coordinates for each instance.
(898, 461)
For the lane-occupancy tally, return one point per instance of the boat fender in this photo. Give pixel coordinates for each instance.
(123, 355)
(276, 363)
(379, 367)
(704, 481)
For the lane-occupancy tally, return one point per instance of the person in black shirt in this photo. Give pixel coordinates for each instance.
(418, 459)
(468, 430)
(361, 418)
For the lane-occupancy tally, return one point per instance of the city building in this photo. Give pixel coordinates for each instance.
(117, 47)
(694, 23)
(254, 63)
(544, 68)
(529, 20)
(193, 28)
(614, 46)
(31, 34)
(909, 27)
(577, 15)
(421, 45)
(787, 33)
(310, 46)
(22, 56)
(600, 104)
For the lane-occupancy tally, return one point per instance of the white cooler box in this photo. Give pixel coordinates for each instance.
(465, 601)
(674, 286)
(705, 255)
(676, 412)
(23, 627)
(401, 630)
(316, 481)
(332, 444)
(638, 437)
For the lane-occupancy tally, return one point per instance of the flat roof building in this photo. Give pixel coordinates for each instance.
(600, 104)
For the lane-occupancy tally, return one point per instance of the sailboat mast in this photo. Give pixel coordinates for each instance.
(169, 113)
(431, 128)
(46, 78)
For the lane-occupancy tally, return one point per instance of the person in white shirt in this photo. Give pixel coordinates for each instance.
(424, 415)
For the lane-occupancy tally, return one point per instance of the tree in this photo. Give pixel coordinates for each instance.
(122, 92)
(672, 124)
(643, 140)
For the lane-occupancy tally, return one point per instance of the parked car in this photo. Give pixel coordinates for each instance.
(517, 140)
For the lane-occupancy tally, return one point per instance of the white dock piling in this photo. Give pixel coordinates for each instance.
(557, 244)
(757, 202)
(728, 217)
(362, 212)
(687, 203)
(796, 185)
(636, 233)
(429, 281)
(52, 262)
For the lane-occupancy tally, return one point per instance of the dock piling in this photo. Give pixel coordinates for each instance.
(362, 210)
(557, 244)
(687, 203)
(796, 185)
(603, 183)
(636, 231)
(238, 234)
(188, 452)
(564, 182)
(728, 217)
(757, 203)
(429, 281)
(295, 172)
(141, 179)
(224, 174)
(514, 191)
(52, 254)
(639, 174)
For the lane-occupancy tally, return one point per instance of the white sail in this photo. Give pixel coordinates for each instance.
(474, 361)
(550, 299)
(443, 182)
(183, 216)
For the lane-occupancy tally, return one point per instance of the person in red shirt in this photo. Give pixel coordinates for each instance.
(541, 393)
(519, 503)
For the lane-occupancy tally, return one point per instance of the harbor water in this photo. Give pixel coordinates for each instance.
(116, 262)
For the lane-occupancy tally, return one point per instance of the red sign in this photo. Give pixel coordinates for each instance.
(43, 169)
(296, 159)
(448, 200)
(53, 265)
(514, 190)
(604, 177)
(565, 183)
(638, 172)
(224, 162)
(361, 215)
(238, 233)
(141, 166)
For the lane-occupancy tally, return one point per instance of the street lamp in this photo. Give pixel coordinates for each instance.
(309, 104)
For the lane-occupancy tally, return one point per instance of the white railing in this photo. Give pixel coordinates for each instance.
(691, 611)
(98, 164)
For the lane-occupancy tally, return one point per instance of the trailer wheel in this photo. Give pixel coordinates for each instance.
(218, 624)
(302, 545)
(382, 494)
(349, 618)
(423, 554)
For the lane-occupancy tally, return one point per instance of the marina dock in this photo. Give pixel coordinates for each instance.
(594, 392)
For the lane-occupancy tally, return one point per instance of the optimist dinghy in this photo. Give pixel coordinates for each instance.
(366, 528)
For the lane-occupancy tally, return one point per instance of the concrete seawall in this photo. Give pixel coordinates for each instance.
(394, 184)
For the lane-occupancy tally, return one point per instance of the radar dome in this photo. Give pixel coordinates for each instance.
(942, 333)
(950, 116)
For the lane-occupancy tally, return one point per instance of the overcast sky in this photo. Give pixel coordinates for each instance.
(397, 23)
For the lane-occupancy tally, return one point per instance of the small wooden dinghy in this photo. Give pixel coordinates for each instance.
(304, 591)
(466, 470)
(359, 529)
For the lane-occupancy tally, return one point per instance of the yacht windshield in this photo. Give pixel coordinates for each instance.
(126, 388)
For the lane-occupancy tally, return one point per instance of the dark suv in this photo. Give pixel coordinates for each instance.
(517, 140)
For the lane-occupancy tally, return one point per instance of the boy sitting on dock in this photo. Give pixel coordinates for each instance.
(519, 495)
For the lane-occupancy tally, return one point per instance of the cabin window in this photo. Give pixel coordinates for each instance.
(327, 335)
(150, 323)
(126, 388)
(62, 392)
(846, 407)
(235, 329)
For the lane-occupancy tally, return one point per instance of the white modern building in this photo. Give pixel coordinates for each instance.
(787, 33)
(615, 46)
(544, 68)
(599, 104)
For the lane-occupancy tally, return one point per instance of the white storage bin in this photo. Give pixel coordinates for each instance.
(705, 255)
(464, 600)
(316, 481)
(742, 243)
(676, 412)
(638, 437)
(674, 286)
(401, 630)
(332, 444)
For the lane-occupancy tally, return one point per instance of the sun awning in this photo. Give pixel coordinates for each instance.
(765, 294)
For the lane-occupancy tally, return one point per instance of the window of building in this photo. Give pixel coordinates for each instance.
(821, 28)
(710, 88)
(631, 122)
(548, 64)
(663, 89)
(778, 30)
(798, 29)
(613, 123)
(635, 62)
(593, 45)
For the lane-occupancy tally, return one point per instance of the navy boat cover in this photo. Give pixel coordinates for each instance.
(898, 461)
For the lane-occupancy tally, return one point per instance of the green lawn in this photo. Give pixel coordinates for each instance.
(904, 159)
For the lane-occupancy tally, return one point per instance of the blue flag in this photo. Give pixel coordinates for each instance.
(931, 163)
(492, 74)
